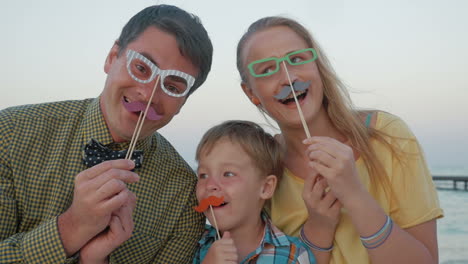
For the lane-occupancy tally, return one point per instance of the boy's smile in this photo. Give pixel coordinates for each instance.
(226, 170)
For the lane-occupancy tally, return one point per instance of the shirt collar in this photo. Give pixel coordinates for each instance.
(94, 126)
(272, 235)
(209, 236)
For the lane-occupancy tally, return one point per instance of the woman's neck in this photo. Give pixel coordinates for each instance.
(291, 139)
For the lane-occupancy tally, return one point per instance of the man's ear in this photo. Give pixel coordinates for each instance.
(111, 57)
(254, 99)
(268, 187)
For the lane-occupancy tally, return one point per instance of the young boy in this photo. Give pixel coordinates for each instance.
(239, 161)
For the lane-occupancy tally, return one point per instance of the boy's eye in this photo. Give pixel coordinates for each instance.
(229, 174)
(202, 175)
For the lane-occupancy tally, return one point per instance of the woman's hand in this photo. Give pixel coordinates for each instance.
(336, 163)
(324, 214)
(322, 205)
(323, 208)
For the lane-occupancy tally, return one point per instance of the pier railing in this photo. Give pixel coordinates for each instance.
(451, 182)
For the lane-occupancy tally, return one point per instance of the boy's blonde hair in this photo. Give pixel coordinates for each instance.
(260, 146)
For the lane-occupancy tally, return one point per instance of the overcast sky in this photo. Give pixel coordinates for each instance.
(406, 57)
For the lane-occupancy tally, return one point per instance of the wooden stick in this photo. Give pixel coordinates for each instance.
(215, 224)
(301, 115)
(139, 125)
(130, 146)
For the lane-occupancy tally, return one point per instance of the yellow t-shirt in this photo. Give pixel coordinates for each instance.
(414, 200)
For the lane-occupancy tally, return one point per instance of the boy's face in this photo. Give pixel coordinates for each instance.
(228, 171)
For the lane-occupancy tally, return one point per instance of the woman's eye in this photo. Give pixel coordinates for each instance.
(296, 59)
(229, 174)
(267, 70)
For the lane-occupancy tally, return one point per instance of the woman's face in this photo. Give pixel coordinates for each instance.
(277, 42)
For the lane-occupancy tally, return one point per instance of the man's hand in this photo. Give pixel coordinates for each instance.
(97, 250)
(99, 191)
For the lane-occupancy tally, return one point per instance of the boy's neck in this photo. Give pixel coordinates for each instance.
(248, 237)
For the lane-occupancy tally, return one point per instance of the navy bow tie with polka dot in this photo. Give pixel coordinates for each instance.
(95, 153)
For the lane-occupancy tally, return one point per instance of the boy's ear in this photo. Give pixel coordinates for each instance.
(268, 187)
(111, 57)
(250, 94)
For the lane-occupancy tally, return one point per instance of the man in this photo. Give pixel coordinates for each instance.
(52, 205)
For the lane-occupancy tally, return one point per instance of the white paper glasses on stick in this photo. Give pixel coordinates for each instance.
(173, 82)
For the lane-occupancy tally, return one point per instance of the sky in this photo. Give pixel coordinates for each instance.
(409, 58)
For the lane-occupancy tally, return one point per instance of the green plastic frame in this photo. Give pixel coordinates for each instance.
(279, 60)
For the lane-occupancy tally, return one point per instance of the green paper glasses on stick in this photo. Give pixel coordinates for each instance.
(270, 66)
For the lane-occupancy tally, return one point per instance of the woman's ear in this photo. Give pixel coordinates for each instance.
(268, 187)
(111, 57)
(250, 94)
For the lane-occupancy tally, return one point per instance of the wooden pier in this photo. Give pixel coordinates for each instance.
(451, 182)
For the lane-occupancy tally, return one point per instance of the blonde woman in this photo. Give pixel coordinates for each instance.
(358, 190)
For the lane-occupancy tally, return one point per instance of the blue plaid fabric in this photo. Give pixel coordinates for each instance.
(275, 248)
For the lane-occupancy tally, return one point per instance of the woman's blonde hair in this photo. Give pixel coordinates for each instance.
(337, 102)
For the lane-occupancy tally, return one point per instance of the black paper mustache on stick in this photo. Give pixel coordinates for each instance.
(298, 86)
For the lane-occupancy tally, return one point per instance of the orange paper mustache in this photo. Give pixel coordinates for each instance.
(210, 200)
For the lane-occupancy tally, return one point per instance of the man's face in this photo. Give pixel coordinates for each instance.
(122, 92)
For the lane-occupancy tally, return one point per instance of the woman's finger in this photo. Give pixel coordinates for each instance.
(322, 157)
(312, 191)
(321, 169)
(331, 146)
(329, 199)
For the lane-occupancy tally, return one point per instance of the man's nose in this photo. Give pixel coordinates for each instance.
(149, 91)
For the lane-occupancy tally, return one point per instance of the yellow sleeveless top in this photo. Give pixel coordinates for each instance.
(414, 200)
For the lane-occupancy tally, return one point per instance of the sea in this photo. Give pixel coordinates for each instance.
(452, 229)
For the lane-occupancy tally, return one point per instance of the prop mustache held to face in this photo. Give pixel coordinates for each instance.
(205, 203)
(209, 202)
(298, 86)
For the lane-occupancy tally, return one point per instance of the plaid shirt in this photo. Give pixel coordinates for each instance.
(275, 248)
(40, 155)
